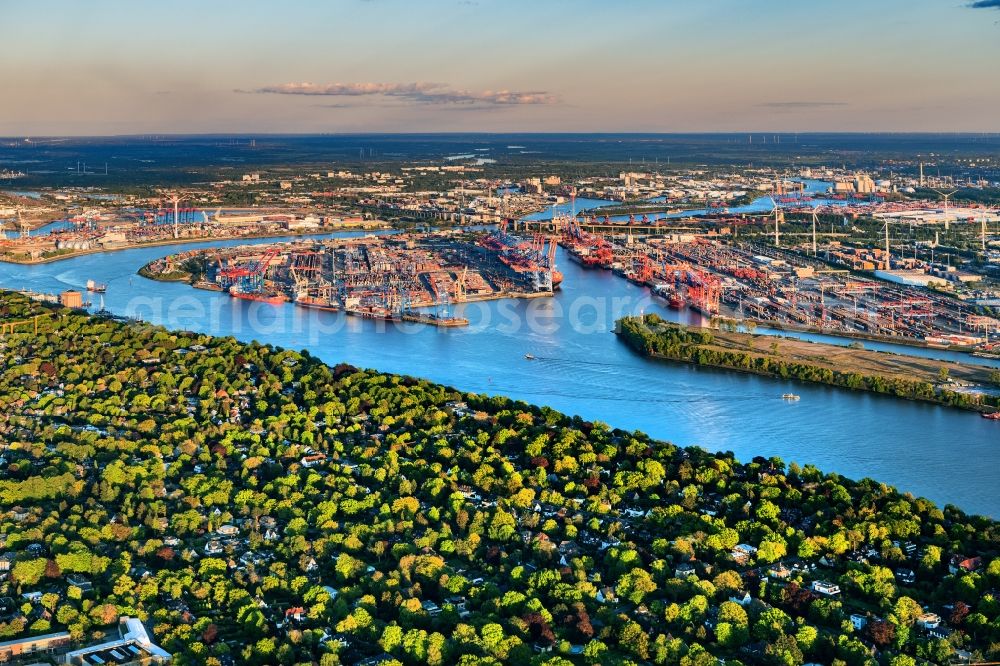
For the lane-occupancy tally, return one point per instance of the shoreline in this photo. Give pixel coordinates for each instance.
(183, 241)
(775, 326)
(725, 344)
(848, 335)
(770, 375)
(197, 281)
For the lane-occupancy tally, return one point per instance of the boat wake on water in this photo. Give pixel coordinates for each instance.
(609, 397)
(572, 361)
(68, 278)
(612, 393)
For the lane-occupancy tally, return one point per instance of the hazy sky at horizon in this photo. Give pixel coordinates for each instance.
(126, 67)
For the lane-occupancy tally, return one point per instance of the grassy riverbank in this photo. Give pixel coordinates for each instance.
(909, 377)
(175, 276)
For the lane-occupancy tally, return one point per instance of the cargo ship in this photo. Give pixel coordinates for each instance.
(380, 314)
(259, 296)
(701, 309)
(634, 278)
(316, 303)
(943, 341)
(595, 261)
(96, 287)
(435, 320)
(675, 300)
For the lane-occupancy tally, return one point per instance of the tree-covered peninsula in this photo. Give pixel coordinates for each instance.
(907, 377)
(251, 504)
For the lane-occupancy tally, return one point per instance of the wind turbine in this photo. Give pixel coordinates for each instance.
(777, 215)
(983, 228)
(176, 200)
(946, 196)
(888, 254)
(815, 216)
(461, 210)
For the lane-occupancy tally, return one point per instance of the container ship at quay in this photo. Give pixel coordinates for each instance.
(316, 303)
(588, 250)
(435, 320)
(675, 300)
(586, 255)
(532, 259)
(430, 318)
(377, 313)
(258, 296)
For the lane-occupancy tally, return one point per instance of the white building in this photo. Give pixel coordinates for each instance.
(939, 216)
(929, 621)
(910, 278)
(133, 647)
(825, 588)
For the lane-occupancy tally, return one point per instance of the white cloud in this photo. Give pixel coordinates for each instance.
(418, 92)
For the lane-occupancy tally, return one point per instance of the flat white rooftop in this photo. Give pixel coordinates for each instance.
(938, 215)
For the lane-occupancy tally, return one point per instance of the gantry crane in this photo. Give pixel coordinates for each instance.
(11, 326)
(249, 277)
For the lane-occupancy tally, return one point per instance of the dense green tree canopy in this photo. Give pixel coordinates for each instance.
(252, 504)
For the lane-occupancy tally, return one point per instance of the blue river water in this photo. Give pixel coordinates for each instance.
(25, 194)
(57, 225)
(580, 367)
(814, 189)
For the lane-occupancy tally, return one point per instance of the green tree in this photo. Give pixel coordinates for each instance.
(635, 585)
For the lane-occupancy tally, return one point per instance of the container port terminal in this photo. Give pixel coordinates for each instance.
(835, 251)
(762, 284)
(405, 277)
(418, 277)
(51, 223)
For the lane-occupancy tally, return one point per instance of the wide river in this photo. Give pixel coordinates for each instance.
(581, 368)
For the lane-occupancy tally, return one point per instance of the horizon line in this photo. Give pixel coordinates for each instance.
(242, 133)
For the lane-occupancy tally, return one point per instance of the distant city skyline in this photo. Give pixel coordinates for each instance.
(117, 67)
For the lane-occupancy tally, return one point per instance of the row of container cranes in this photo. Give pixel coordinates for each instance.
(773, 286)
(408, 277)
(533, 257)
(681, 283)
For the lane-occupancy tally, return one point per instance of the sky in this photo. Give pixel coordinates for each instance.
(105, 67)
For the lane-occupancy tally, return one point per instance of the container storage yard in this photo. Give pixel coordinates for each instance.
(411, 277)
(754, 283)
